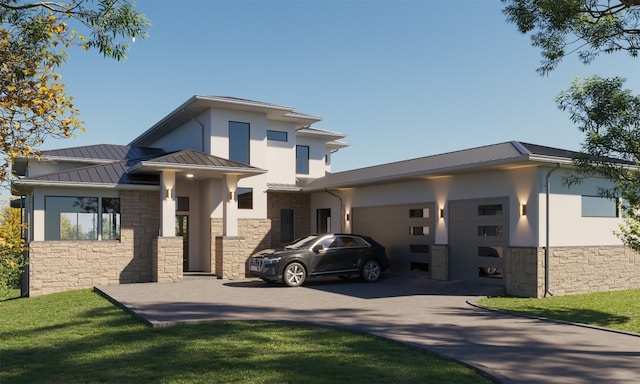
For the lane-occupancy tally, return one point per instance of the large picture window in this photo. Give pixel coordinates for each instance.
(239, 142)
(82, 218)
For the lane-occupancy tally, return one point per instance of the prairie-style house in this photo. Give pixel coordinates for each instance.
(219, 178)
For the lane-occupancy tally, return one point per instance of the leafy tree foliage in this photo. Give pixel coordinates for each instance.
(35, 37)
(585, 27)
(11, 249)
(607, 114)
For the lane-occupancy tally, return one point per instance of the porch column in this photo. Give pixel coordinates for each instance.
(230, 207)
(168, 204)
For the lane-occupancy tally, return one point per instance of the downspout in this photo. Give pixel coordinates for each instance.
(184, 110)
(547, 288)
(341, 206)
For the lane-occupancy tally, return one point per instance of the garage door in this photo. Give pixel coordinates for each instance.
(407, 231)
(478, 237)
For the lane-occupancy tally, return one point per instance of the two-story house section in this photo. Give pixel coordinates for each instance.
(213, 181)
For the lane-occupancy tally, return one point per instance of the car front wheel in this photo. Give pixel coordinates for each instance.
(294, 275)
(371, 271)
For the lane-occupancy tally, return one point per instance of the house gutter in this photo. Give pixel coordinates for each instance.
(341, 206)
(184, 110)
(547, 288)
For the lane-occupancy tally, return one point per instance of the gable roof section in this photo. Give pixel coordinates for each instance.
(198, 104)
(195, 161)
(502, 154)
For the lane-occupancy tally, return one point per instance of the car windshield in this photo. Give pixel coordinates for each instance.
(305, 242)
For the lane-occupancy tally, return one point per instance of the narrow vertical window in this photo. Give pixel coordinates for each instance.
(302, 159)
(110, 218)
(239, 142)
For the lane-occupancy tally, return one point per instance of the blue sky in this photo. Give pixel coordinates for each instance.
(402, 79)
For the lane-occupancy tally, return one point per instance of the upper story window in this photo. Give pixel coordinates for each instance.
(302, 159)
(277, 135)
(239, 142)
(82, 218)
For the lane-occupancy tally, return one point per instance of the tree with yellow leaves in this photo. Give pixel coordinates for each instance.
(12, 247)
(34, 40)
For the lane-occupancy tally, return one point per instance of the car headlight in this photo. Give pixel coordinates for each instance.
(272, 260)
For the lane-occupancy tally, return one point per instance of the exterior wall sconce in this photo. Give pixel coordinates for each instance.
(523, 210)
(168, 195)
(231, 195)
(347, 216)
(441, 213)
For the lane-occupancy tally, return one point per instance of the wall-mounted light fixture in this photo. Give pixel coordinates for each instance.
(168, 196)
(523, 210)
(441, 213)
(231, 195)
(347, 216)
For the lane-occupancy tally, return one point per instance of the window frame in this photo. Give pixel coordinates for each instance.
(237, 141)
(302, 162)
(97, 231)
(274, 135)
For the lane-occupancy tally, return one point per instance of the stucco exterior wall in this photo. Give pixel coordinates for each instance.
(57, 266)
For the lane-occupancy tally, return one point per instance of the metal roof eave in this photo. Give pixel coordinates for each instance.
(150, 166)
(444, 171)
(25, 185)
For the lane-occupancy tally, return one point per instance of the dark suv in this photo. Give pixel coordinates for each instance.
(341, 255)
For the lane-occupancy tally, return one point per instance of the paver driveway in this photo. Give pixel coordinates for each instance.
(409, 308)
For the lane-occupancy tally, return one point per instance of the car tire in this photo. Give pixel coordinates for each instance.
(294, 274)
(371, 271)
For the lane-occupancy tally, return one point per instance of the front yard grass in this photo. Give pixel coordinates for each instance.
(79, 337)
(616, 309)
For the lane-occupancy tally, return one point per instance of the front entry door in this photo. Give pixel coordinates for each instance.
(182, 229)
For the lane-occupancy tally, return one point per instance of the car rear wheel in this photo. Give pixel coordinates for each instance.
(294, 275)
(371, 271)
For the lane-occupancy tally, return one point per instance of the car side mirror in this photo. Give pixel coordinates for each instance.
(318, 248)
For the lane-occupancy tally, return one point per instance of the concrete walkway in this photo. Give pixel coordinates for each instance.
(411, 309)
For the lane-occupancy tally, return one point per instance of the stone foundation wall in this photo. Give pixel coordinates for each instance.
(166, 259)
(232, 252)
(216, 230)
(57, 266)
(440, 262)
(592, 269)
(522, 272)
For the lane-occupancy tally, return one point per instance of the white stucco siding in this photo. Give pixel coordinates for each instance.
(188, 136)
(567, 225)
(281, 155)
(317, 151)
(220, 119)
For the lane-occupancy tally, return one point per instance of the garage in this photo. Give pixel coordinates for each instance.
(407, 231)
(478, 237)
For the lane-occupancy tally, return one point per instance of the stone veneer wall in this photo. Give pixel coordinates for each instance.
(166, 259)
(57, 266)
(216, 230)
(523, 267)
(572, 270)
(591, 269)
(440, 262)
(300, 203)
(232, 252)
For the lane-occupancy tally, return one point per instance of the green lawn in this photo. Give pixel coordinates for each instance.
(79, 337)
(616, 310)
